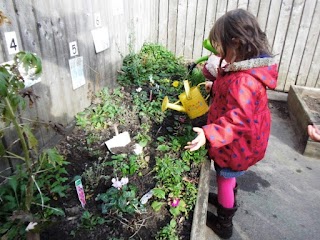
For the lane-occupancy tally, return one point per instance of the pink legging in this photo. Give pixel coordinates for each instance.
(225, 191)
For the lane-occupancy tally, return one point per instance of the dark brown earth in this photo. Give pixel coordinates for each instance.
(82, 156)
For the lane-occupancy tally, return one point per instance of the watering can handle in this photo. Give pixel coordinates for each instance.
(187, 88)
(203, 83)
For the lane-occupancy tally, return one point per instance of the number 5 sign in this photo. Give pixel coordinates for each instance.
(73, 49)
(12, 42)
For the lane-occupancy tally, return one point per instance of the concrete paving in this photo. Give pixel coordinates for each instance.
(279, 198)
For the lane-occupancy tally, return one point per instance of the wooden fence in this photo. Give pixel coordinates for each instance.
(61, 30)
(291, 25)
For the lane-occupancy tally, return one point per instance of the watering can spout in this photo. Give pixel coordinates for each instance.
(174, 106)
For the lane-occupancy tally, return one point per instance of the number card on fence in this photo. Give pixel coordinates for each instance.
(12, 42)
(77, 75)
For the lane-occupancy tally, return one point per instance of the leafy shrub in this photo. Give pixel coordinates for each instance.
(152, 60)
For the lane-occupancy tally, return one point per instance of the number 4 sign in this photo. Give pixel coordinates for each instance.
(12, 42)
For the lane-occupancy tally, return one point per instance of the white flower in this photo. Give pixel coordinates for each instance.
(124, 181)
(139, 89)
(31, 226)
(119, 184)
(116, 183)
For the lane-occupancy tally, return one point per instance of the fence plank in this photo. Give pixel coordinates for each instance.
(263, 13)
(172, 25)
(300, 43)
(232, 4)
(190, 29)
(210, 20)
(30, 42)
(290, 42)
(313, 76)
(253, 7)
(243, 4)
(49, 89)
(199, 28)
(221, 8)
(8, 9)
(163, 22)
(281, 33)
(181, 27)
(154, 20)
(272, 22)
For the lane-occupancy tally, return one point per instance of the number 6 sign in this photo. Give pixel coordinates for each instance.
(73, 49)
(12, 42)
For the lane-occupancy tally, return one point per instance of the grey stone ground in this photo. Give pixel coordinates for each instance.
(279, 198)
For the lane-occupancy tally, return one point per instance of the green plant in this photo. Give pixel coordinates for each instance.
(40, 178)
(125, 164)
(11, 82)
(145, 107)
(143, 137)
(99, 115)
(120, 198)
(169, 232)
(89, 221)
(94, 174)
(152, 60)
(195, 157)
(49, 178)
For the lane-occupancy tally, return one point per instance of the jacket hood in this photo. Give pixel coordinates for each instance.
(263, 69)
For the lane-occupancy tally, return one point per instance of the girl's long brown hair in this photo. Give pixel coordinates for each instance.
(239, 27)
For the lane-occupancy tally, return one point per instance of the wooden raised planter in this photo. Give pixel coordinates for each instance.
(304, 109)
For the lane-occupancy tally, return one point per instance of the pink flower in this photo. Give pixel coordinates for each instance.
(175, 202)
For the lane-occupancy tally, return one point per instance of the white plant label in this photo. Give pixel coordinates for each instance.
(29, 78)
(12, 42)
(97, 20)
(100, 39)
(76, 69)
(73, 46)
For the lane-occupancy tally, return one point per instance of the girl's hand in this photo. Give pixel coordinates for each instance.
(208, 86)
(199, 141)
(314, 133)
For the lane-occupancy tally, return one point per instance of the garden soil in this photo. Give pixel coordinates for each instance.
(74, 147)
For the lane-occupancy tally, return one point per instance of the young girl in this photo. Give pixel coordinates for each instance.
(238, 124)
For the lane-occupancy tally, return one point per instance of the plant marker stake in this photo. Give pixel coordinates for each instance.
(80, 192)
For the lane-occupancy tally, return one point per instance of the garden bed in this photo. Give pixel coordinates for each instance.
(304, 108)
(144, 190)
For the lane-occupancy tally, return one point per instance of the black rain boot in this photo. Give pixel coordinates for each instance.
(222, 225)
(213, 197)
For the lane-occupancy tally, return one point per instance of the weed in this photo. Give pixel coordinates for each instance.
(94, 174)
(89, 221)
(169, 232)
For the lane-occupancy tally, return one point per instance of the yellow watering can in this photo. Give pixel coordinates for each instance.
(192, 101)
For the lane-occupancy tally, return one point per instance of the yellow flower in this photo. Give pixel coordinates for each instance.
(175, 83)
